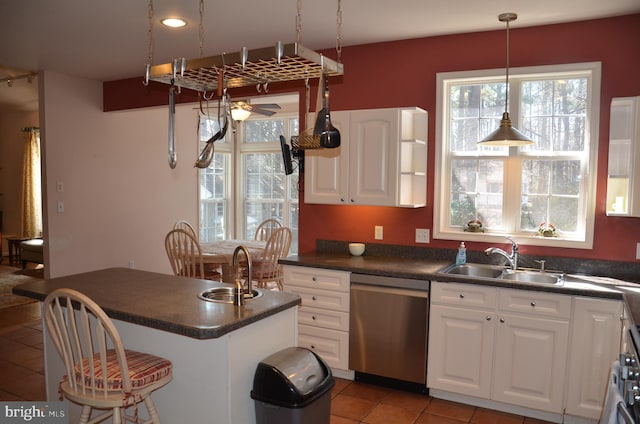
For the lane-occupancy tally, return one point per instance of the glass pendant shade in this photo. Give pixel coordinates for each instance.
(506, 134)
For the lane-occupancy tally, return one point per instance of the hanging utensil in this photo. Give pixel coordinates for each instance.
(206, 156)
(172, 130)
(329, 135)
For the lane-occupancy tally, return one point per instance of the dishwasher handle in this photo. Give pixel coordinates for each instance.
(389, 290)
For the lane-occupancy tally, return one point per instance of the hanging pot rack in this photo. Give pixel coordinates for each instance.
(256, 67)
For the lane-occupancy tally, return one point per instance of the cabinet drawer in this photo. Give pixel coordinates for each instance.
(535, 303)
(318, 278)
(463, 295)
(325, 318)
(331, 345)
(324, 299)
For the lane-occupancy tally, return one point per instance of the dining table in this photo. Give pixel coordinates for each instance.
(221, 252)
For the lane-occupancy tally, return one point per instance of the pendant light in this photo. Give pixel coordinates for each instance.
(506, 134)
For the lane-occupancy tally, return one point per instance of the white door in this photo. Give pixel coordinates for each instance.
(460, 350)
(530, 362)
(373, 157)
(326, 173)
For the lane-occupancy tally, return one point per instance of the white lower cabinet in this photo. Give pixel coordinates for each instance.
(595, 344)
(544, 351)
(499, 344)
(323, 316)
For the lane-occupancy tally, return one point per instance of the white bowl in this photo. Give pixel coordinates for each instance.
(356, 249)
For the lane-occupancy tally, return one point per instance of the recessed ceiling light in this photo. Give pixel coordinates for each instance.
(174, 22)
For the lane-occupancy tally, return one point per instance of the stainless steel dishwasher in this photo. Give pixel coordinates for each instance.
(388, 328)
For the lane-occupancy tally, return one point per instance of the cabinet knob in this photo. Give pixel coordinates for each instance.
(314, 278)
(313, 298)
(313, 317)
(313, 346)
(488, 318)
(533, 303)
(461, 295)
(502, 320)
(353, 201)
(342, 199)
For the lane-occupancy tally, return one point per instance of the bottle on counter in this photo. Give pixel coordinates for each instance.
(461, 257)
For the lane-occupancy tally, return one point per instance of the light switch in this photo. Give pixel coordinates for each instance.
(60, 206)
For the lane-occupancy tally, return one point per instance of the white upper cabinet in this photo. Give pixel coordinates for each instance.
(623, 189)
(382, 160)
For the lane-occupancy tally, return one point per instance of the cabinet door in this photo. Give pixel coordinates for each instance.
(530, 362)
(595, 344)
(326, 178)
(373, 157)
(460, 350)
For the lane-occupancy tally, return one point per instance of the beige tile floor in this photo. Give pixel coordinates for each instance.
(22, 378)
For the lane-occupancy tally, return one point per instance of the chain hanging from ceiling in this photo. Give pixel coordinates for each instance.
(150, 43)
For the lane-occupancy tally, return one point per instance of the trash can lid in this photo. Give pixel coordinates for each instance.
(293, 377)
(300, 366)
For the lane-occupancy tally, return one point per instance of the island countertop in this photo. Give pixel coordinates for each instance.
(162, 301)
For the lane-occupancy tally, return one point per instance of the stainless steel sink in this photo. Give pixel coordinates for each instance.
(531, 277)
(495, 272)
(475, 270)
(226, 295)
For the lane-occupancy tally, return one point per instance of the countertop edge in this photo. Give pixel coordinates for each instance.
(39, 291)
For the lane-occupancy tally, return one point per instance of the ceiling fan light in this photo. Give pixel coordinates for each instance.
(506, 135)
(239, 114)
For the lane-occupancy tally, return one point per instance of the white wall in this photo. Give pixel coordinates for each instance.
(120, 196)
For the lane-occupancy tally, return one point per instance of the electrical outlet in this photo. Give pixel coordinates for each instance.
(422, 235)
(638, 251)
(59, 186)
(378, 232)
(132, 264)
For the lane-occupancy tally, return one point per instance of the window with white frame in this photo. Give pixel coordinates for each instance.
(518, 191)
(246, 183)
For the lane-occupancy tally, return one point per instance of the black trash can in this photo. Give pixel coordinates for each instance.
(292, 386)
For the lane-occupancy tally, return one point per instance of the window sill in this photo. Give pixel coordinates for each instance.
(522, 239)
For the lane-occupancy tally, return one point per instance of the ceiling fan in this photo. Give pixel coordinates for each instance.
(241, 110)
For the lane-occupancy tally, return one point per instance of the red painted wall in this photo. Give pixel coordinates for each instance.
(403, 73)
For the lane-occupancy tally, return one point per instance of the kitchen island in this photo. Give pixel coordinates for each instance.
(214, 347)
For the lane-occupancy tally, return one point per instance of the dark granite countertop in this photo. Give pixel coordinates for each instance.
(163, 302)
(428, 269)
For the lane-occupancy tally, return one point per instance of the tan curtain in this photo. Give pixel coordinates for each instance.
(31, 187)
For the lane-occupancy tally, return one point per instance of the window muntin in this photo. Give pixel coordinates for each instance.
(512, 190)
(246, 183)
(214, 183)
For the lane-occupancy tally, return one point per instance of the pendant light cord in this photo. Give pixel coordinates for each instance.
(506, 100)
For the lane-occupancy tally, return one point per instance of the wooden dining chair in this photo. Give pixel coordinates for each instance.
(185, 254)
(100, 373)
(212, 266)
(266, 227)
(184, 225)
(267, 269)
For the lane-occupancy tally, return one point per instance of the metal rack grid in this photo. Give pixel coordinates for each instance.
(284, 62)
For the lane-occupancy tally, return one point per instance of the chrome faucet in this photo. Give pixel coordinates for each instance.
(234, 264)
(512, 258)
